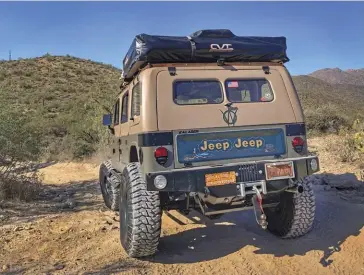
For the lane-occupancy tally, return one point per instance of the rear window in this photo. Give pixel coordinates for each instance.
(252, 90)
(197, 92)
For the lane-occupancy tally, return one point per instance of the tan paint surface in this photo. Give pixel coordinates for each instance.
(159, 112)
(172, 116)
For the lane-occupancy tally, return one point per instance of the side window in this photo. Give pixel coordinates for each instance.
(136, 100)
(124, 109)
(116, 112)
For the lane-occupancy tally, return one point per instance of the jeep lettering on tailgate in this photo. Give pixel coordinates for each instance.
(237, 144)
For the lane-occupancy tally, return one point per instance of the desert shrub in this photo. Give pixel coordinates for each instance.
(2, 76)
(16, 182)
(359, 141)
(87, 132)
(20, 146)
(28, 73)
(352, 148)
(347, 150)
(326, 119)
(358, 125)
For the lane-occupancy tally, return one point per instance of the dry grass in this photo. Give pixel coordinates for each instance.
(19, 183)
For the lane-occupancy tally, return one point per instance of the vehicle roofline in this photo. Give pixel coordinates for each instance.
(201, 64)
(196, 65)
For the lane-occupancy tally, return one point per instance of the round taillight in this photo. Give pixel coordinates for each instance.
(161, 155)
(297, 144)
(297, 141)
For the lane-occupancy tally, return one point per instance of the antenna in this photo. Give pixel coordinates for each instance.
(10, 55)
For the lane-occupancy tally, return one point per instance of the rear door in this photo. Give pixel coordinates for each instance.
(220, 116)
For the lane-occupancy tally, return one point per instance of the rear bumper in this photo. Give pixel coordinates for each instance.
(193, 179)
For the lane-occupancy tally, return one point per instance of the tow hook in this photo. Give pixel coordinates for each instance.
(260, 216)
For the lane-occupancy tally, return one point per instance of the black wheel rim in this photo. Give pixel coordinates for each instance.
(108, 187)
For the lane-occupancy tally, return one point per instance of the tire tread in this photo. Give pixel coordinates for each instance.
(112, 200)
(145, 219)
(304, 208)
(296, 215)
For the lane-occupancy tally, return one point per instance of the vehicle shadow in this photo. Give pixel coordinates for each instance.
(54, 199)
(336, 220)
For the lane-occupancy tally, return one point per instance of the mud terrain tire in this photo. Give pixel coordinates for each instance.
(140, 214)
(110, 193)
(295, 214)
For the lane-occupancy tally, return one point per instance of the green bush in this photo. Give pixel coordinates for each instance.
(326, 119)
(359, 141)
(20, 144)
(352, 147)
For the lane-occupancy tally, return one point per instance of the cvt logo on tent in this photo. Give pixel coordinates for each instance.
(221, 48)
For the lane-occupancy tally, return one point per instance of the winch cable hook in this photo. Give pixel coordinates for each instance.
(257, 200)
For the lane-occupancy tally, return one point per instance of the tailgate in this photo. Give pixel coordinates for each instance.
(226, 146)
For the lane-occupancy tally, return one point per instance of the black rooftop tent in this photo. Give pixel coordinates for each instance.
(204, 46)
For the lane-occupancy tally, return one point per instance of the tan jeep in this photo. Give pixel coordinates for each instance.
(211, 137)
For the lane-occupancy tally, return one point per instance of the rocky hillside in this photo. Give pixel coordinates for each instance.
(64, 98)
(315, 93)
(337, 76)
(327, 106)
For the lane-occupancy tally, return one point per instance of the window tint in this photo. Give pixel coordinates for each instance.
(136, 100)
(116, 112)
(124, 110)
(197, 92)
(253, 90)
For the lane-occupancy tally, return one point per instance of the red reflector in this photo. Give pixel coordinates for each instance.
(297, 141)
(161, 152)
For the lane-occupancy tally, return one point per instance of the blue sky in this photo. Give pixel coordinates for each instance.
(319, 34)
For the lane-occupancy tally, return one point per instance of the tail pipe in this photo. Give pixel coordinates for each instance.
(294, 187)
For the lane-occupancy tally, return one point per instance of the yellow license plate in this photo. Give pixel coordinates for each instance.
(220, 178)
(279, 170)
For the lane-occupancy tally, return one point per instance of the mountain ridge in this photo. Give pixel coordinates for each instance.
(339, 76)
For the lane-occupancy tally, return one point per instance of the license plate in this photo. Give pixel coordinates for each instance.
(282, 170)
(220, 178)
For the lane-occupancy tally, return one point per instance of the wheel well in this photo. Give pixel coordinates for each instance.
(133, 154)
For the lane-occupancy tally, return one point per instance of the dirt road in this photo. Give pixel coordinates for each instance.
(69, 231)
